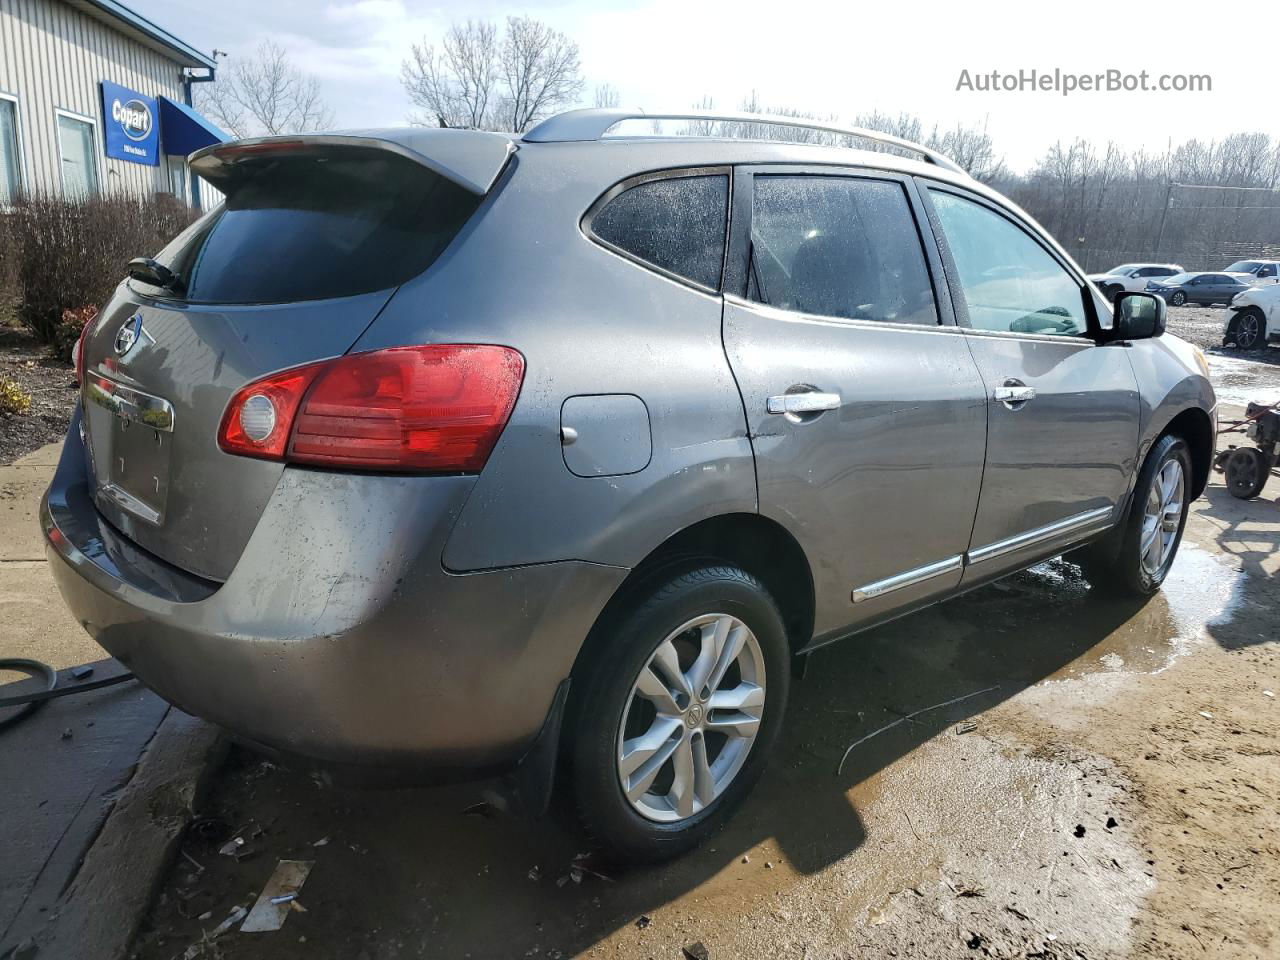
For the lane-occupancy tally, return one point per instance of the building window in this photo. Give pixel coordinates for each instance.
(177, 170)
(79, 162)
(10, 161)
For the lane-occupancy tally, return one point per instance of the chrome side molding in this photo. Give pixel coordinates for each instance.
(1050, 531)
(1081, 523)
(908, 579)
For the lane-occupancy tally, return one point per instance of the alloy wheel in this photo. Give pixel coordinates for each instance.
(1163, 517)
(692, 717)
(1247, 332)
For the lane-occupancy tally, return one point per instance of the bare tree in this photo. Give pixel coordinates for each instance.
(607, 96)
(264, 94)
(541, 71)
(483, 81)
(454, 84)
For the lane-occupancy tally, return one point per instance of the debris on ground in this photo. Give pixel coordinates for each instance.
(1206, 714)
(278, 897)
(696, 951)
(82, 671)
(643, 921)
(1079, 831)
(967, 727)
(907, 718)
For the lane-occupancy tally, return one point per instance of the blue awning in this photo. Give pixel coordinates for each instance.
(183, 130)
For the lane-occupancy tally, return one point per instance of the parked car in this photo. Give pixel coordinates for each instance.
(1256, 272)
(1132, 277)
(1203, 289)
(366, 470)
(1253, 318)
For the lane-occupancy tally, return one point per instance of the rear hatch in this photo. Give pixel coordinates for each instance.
(313, 239)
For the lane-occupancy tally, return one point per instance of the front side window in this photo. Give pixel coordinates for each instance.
(1010, 282)
(10, 181)
(676, 223)
(75, 144)
(838, 247)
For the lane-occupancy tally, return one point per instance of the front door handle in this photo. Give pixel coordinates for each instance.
(810, 401)
(1013, 394)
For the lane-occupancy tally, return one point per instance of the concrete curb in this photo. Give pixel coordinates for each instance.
(98, 915)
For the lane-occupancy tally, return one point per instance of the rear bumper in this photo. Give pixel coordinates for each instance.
(338, 635)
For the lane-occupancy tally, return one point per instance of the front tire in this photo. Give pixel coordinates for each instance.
(1152, 530)
(1249, 326)
(675, 711)
(1178, 299)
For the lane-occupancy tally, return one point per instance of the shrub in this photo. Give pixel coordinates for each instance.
(73, 252)
(13, 399)
(68, 329)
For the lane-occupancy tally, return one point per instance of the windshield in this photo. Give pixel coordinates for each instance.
(1244, 266)
(326, 223)
(1124, 268)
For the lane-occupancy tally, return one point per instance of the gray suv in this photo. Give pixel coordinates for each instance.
(546, 456)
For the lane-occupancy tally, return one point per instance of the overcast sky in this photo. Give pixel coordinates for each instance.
(838, 58)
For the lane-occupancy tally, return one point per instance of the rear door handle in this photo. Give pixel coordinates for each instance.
(809, 402)
(1012, 393)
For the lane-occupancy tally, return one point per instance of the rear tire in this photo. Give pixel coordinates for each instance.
(1152, 531)
(650, 681)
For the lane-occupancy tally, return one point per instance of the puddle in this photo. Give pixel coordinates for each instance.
(1199, 592)
(1240, 381)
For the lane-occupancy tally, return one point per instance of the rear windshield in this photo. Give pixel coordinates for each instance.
(329, 223)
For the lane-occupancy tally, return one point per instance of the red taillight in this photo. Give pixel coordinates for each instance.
(77, 352)
(438, 408)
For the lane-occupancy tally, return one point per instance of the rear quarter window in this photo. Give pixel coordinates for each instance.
(327, 223)
(675, 223)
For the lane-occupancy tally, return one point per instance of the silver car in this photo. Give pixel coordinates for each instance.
(547, 456)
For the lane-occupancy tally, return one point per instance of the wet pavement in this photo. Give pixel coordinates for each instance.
(1099, 780)
(1032, 819)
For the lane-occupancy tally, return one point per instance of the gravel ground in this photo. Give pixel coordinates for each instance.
(52, 388)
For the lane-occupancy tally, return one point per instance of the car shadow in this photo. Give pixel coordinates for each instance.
(440, 875)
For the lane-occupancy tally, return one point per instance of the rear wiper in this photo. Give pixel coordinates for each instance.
(155, 273)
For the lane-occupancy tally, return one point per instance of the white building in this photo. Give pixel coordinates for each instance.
(95, 98)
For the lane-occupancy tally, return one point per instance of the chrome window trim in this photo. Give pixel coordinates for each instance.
(1071, 339)
(1050, 531)
(793, 316)
(907, 579)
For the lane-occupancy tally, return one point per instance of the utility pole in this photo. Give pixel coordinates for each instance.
(1168, 195)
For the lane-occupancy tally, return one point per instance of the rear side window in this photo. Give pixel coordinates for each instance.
(838, 247)
(676, 223)
(327, 223)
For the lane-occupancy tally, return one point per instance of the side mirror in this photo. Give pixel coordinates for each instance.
(1138, 316)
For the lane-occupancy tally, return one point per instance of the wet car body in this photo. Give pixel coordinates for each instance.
(435, 619)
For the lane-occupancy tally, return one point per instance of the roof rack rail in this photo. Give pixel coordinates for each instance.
(594, 123)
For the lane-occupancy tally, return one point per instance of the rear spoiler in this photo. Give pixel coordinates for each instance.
(472, 159)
